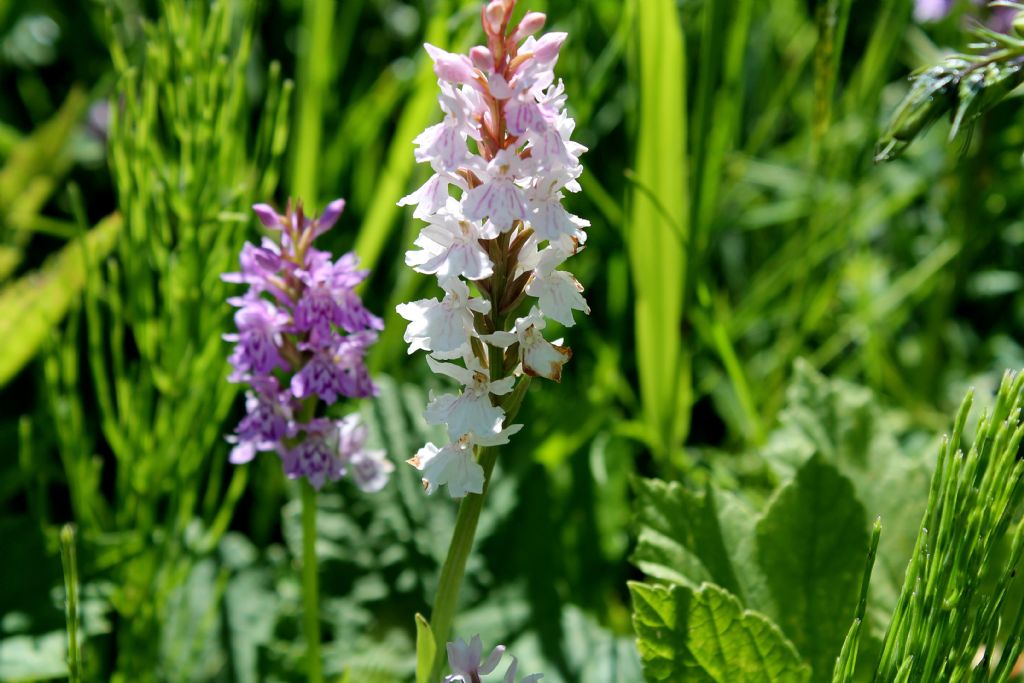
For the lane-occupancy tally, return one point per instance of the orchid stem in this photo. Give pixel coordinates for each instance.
(454, 567)
(455, 563)
(310, 588)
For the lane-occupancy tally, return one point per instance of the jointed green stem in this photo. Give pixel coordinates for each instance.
(70, 563)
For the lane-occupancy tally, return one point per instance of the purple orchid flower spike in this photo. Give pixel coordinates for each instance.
(301, 343)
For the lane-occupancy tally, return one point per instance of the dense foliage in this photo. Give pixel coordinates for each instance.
(740, 475)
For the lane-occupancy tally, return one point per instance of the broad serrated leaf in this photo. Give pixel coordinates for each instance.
(811, 543)
(706, 636)
(680, 536)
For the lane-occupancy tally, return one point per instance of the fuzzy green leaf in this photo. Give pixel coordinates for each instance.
(705, 636)
(811, 544)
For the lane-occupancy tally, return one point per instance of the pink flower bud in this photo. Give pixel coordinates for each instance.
(330, 215)
(267, 216)
(482, 58)
(495, 15)
(531, 23)
(451, 67)
(546, 49)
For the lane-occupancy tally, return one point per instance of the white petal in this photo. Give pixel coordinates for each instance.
(429, 197)
(418, 314)
(502, 340)
(551, 221)
(465, 475)
(558, 294)
(460, 374)
(502, 386)
(479, 305)
(473, 414)
(438, 408)
(543, 359)
(500, 200)
(496, 439)
(425, 457)
(492, 661)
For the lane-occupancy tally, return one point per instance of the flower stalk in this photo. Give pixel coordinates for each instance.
(454, 568)
(310, 585)
(301, 343)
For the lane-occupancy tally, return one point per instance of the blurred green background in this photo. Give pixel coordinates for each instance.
(738, 224)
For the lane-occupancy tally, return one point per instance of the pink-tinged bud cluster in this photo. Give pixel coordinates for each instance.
(301, 340)
(497, 234)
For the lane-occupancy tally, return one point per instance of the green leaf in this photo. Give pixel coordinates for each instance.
(594, 654)
(659, 225)
(419, 110)
(844, 425)
(681, 538)
(426, 648)
(811, 543)
(705, 636)
(32, 305)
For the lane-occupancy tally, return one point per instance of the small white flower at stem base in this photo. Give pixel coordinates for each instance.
(539, 357)
(454, 464)
(471, 411)
(465, 660)
(510, 674)
(466, 667)
(443, 327)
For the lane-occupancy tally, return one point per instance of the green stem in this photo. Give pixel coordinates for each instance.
(466, 521)
(310, 589)
(70, 564)
(455, 563)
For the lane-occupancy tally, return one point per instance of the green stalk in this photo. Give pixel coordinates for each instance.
(310, 589)
(310, 582)
(454, 567)
(455, 563)
(70, 565)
